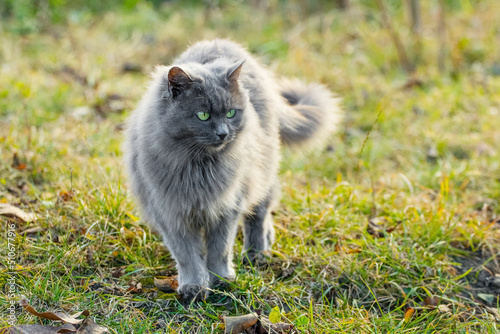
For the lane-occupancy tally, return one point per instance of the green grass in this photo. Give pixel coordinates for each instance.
(423, 159)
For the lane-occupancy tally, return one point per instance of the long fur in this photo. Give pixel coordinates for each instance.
(313, 115)
(194, 193)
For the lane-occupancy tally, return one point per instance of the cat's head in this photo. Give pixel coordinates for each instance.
(203, 106)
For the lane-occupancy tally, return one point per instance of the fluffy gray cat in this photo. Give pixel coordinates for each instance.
(202, 153)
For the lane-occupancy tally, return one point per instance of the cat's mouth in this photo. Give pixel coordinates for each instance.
(219, 145)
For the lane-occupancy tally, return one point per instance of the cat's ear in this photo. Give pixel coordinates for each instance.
(234, 72)
(178, 81)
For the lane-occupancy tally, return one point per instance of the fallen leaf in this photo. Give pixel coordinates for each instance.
(431, 301)
(59, 316)
(275, 315)
(268, 327)
(490, 299)
(135, 287)
(494, 311)
(444, 308)
(87, 325)
(11, 211)
(166, 284)
(409, 313)
(38, 329)
(240, 323)
(66, 195)
(255, 323)
(17, 164)
(20, 166)
(90, 327)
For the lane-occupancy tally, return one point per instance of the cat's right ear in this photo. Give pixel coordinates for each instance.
(178, 81)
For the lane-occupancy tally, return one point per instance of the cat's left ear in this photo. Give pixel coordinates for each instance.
(234, 72)
(178, 81)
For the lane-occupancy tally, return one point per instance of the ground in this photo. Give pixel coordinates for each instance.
(399, 212)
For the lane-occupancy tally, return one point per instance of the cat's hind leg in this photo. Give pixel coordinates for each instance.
(258, 231)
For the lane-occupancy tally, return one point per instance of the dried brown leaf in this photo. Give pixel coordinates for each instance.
(279, 327)
(431, 301)
(166, 284)
(21, 166)
(11, 211)
(90, 327)
(59, 316)
(39, 329)
(66, 195)
(17, 164)
(443, 308)
(240, 323)
(409, 313)
(135, 287)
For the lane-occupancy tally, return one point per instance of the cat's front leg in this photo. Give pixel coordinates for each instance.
(188, 249)
(220, 241)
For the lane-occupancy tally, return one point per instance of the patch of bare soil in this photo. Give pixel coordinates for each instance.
(482, 276)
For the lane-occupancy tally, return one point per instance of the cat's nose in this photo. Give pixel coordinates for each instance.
(222, 136)
(222, 131)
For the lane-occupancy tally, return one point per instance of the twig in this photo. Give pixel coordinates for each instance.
(403, 57)
(442, 36)
(416, 29)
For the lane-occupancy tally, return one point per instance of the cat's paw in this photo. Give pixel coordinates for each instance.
(192, 292)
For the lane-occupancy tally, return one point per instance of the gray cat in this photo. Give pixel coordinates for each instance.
(202, 153)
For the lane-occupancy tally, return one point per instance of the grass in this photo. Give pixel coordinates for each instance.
(422, 162)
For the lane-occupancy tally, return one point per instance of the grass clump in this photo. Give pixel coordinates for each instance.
(416, 160)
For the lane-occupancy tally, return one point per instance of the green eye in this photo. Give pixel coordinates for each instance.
(231, 113)
(203, 116)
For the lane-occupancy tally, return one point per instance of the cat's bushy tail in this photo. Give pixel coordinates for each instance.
(312, 114)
